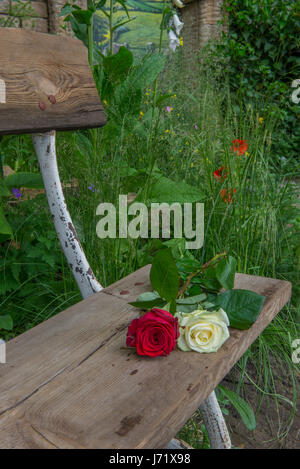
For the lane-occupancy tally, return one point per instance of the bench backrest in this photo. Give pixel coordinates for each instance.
(45, 84)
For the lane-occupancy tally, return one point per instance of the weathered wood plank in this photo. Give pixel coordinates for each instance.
(49, 85)
(70, 383)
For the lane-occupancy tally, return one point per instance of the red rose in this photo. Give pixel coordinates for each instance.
(154, 334)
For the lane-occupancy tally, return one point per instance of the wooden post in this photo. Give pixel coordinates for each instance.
(44, 145)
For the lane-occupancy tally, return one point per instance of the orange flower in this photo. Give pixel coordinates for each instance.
(227, 195)
(241, 146)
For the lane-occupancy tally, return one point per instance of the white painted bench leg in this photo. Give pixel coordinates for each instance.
(215, 423)
(44, 145)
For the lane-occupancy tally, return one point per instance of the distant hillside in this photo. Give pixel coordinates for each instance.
(138, 33)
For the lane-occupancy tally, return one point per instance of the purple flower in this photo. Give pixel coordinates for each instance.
(92, 188)
(196, 127)
(16, 193)
(168, 108)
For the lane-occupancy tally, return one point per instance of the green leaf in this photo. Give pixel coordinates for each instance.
(242, 307)
(225, 272)
(148, 300)
(118, 65)
(4, 191)
(242, 407)
(4, 225)
(80, 30)
(66, 10)
(161, 98)
(83, 16)
(122, 3)
(186, 308)
(168, 191)
(32, 180)
(6, 322)
(192, 299)
(164, 275)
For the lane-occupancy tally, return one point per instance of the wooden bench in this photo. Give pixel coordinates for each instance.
(70, 382)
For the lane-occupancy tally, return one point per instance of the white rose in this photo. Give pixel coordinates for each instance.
(202, 331)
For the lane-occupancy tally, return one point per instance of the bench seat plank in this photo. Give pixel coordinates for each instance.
(48, 84)
(71, 383)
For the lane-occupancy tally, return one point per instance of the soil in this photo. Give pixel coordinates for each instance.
(273, 429)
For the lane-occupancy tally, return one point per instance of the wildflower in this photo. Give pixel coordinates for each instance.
(187, 143)
(105, 102)
(169, 109)
(260, 120)
(141, 113)
(178, 25)
(196, 127)
(147, 94)
(92, 188)
(227, 195)
(173, 40)
(220, 174)
(181, 41)
(174, 96)
(16, 193)
(241, 146)
(178, 3)
(167, 131)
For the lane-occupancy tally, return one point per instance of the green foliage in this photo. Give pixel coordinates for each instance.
(242, 307)
(241, 406)
(24, 179)
(6, 323)
(164, 275)
(262, 59)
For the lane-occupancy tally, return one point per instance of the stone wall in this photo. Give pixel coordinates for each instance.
(200, 19)
(44, 13)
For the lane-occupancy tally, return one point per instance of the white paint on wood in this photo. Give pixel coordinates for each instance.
(44, 145)
(2, 92)
(215, 423)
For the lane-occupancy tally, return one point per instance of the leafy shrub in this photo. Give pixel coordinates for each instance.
(262, 56)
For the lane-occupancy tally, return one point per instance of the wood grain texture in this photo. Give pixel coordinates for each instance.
(49, 84)
(70, 383)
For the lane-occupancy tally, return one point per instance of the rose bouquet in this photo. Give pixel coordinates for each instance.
(199, 304)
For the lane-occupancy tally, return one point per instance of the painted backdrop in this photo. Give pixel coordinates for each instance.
(138, 33)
